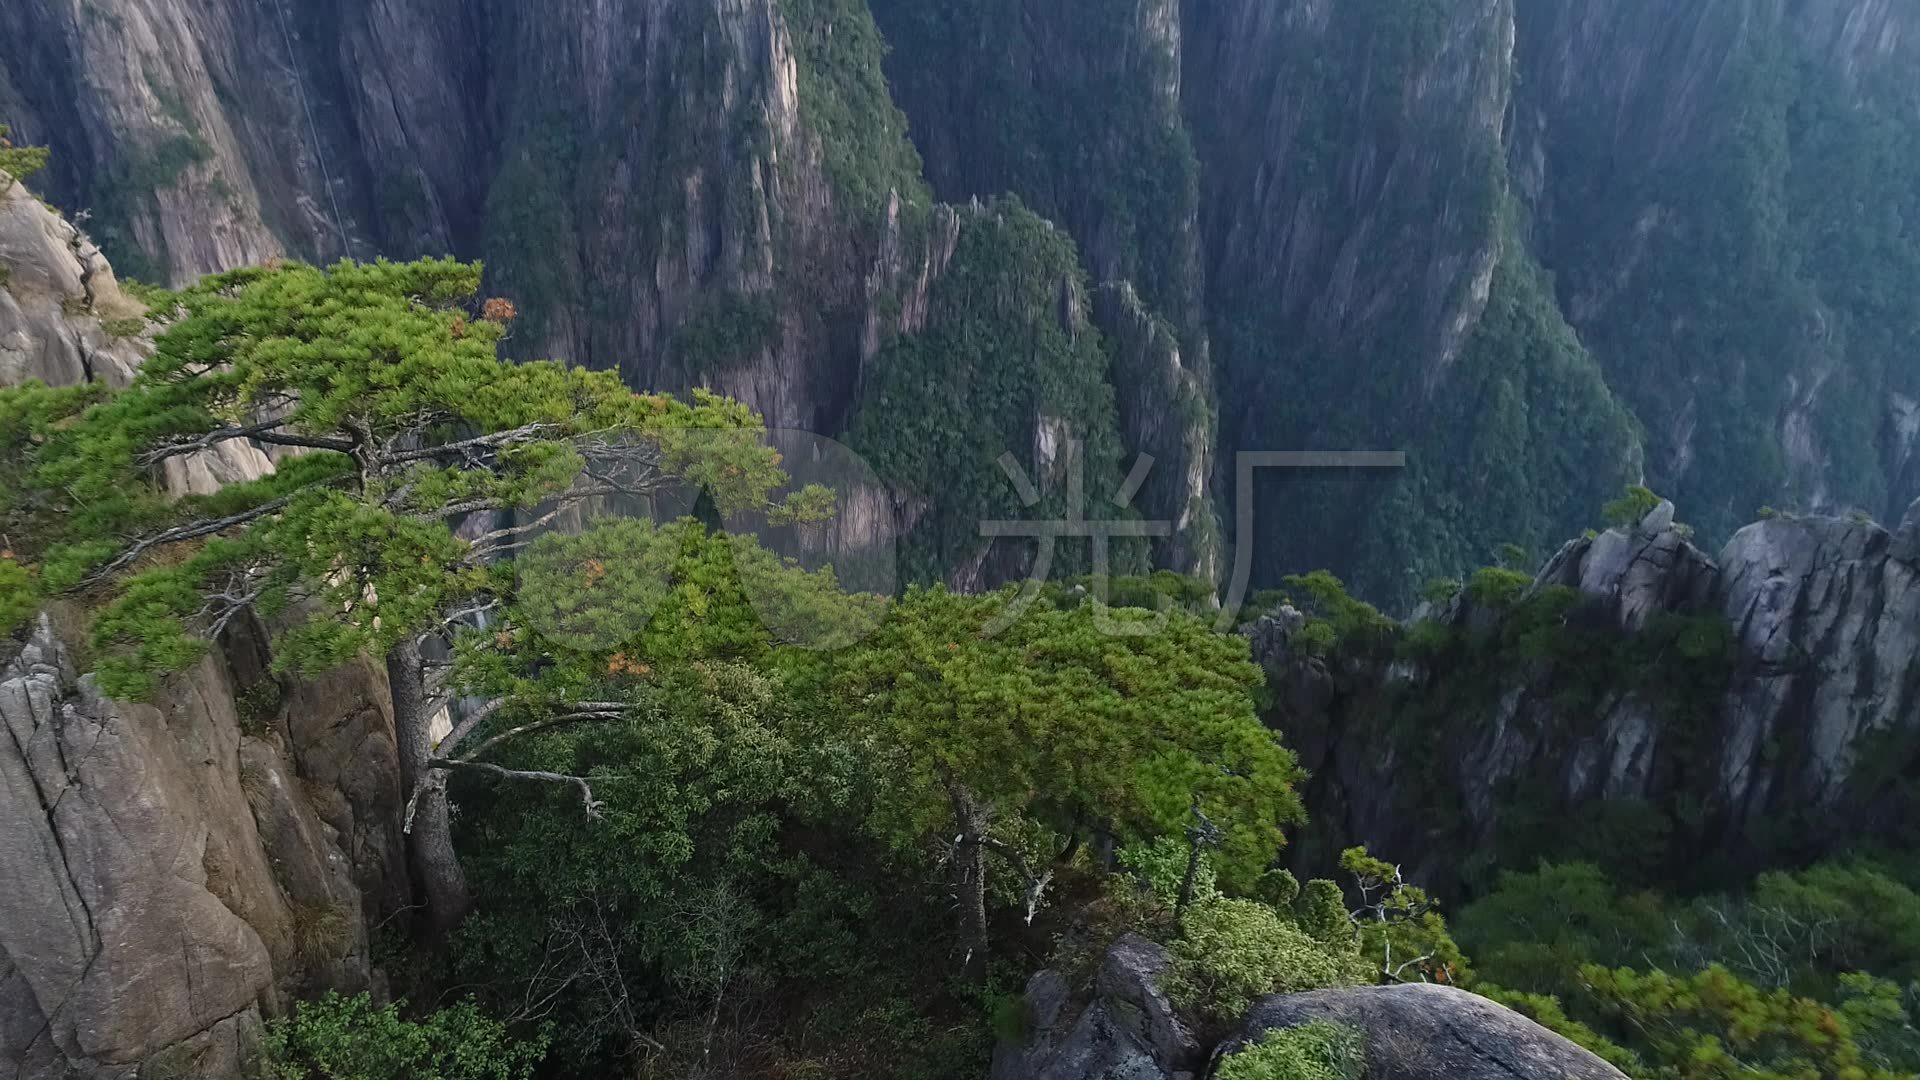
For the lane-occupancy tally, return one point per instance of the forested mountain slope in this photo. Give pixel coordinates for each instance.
(769, 835)
(1544, 247)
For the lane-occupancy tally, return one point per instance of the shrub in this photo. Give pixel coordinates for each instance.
(1231, 952)
(1714, 1024)
(321, 932)
(1515, 557)
(1497, 587)
(19, 162)
(1440, 590)
(1545, 1010)
(1161, 866)
(348, 1038)
(1316, 1051)
(1335, 619)
(258, 706)
(18, 599)
(1633, 504)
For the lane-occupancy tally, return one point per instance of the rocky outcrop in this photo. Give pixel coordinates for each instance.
(1635, 573)
(1427, 1032)
(1126, 1028)
(1787, 720)
(166, 880)
(64, 320)
(1166, 412)
(1129, 1028)
(171, 872)
(56, 290)
(1825, 709)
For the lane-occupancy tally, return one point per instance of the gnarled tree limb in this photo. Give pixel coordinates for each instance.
(593, 806)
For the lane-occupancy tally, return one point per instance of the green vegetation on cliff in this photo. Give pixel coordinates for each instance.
(844, 98)
(994, 111)
(1748, 292)
(1805, 973)
(1006, 364)
(19, 162)
(1521, 439)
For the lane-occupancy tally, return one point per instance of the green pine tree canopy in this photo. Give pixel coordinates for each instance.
(394, 415)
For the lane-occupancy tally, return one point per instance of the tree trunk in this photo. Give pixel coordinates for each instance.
(438, 880)
(970, 880)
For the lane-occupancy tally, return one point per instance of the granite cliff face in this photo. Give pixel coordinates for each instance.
(1342, 214)
(169, 877)
(1764, 704)
(170, 873)
(1313, 199)
(1721, 204)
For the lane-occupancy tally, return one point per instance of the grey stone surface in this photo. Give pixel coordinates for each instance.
(133, 889)
(1426, 1032)
(1128, 1031)
(166, 879)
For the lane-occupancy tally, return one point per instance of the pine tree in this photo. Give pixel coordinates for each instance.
(397, 420)
(1054, 728)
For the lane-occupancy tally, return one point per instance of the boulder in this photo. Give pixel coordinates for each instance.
(1426, 1032)
(1128, 1031)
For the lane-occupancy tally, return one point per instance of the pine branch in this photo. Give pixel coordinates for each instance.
(178, 534)
(267, 431)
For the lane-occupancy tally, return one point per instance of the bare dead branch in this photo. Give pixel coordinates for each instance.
(541, 725)
(471, 721)
(478, 442)
(1036, 884)
(501, 540)
(593, 806)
